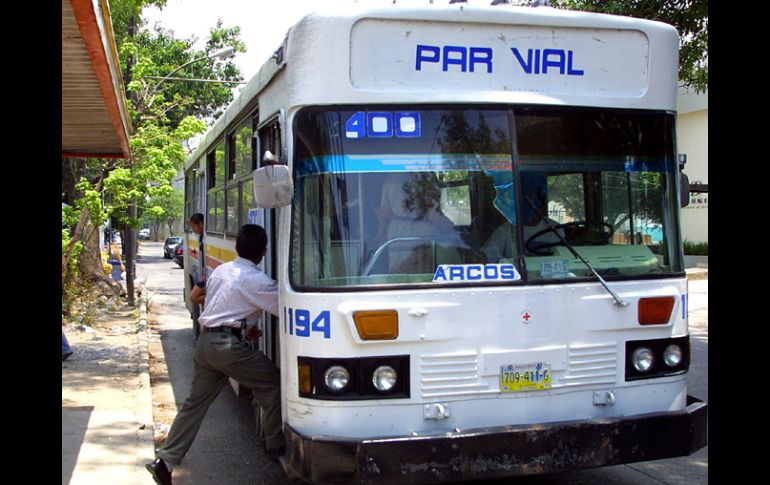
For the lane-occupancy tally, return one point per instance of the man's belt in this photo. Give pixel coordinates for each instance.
(230, 330)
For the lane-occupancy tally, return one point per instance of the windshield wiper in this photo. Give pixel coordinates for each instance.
(618, 300)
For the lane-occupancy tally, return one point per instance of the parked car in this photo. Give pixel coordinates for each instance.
(179, 255)
(144, 233)
(169, 246)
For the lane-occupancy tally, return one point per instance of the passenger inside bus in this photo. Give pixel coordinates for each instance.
(411, 222)
(500, 245)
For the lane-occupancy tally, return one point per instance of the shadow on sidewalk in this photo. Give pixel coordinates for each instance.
(73, 431)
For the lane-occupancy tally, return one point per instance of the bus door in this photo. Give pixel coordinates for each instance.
(270, 346)
(268, 342)
(269, 136)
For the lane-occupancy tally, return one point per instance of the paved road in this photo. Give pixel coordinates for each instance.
(226, 449)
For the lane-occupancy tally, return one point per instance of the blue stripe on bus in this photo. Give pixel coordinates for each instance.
(471, 162)
(401, 163)
(684, 306)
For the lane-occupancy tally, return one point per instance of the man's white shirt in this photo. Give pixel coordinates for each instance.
(238, 290)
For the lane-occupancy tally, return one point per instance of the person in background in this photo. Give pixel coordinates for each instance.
(117, 265)
(66, 350)
(196, 225)
(198, 292)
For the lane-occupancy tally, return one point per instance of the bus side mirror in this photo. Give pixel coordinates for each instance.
(684, 190)
(273, 186)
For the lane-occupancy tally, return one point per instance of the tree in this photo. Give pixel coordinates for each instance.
(80, 251)
(158, 53)
(165, 209)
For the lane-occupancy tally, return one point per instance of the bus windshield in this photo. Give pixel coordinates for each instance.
(465, 195)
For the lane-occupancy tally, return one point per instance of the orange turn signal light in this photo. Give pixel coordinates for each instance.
(305, 383)
(377, 324)
(655, 310)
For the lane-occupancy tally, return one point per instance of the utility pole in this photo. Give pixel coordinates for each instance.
(129, 246)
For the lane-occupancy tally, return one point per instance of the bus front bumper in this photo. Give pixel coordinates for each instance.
(499, 451)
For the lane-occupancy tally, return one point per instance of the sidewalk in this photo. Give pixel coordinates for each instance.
(697, 273)
(107, 426)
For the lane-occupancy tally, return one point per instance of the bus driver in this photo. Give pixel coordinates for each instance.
(499, 246)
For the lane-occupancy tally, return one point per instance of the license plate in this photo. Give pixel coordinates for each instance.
(527, 377)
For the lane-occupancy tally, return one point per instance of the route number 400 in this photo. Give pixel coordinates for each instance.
(301, 323)
(383, 125)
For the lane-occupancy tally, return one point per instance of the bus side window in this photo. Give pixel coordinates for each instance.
(269, 140)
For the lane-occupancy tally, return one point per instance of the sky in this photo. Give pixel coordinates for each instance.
(263, 24)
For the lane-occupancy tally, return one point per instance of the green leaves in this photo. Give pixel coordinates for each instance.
(69, 216)
(189, 127)
(158, 155)
(92, 199)
(159, 54)
(165, 207)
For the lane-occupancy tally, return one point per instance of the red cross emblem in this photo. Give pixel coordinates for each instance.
(526, 315)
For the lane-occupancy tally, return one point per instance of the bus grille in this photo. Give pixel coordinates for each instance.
(444, 375)
(591, 364)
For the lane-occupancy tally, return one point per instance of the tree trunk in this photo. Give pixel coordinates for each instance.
(91, 256)
(132, 96)
(77, 234)
(108, 282)
(129, 249)
(69, 177)
(130, 60)
(127, 239)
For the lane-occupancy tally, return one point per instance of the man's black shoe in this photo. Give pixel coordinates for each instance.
(159, 472)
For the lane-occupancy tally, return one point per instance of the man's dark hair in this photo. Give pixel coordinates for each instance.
(197, 218)
(251, 242)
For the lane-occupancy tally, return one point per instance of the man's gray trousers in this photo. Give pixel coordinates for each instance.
(217, 357)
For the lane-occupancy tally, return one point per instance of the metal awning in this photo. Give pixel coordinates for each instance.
(95, 119)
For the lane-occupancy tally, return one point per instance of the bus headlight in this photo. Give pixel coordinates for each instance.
(672, 356)
(336, 378)
(354, 378)
(658, 357)
(642, 359)
(384, 378)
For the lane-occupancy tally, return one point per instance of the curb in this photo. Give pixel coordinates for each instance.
(145, 433)
(697, 273)
(157, 426)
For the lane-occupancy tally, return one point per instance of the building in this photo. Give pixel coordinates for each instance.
(692, 139)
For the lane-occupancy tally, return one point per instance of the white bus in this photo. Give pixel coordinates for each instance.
(473, 215)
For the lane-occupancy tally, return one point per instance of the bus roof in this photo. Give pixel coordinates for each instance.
(457, 53)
